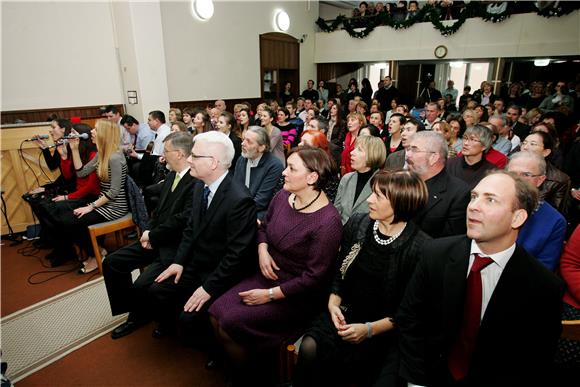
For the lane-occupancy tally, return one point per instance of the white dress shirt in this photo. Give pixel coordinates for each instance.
(213, 187)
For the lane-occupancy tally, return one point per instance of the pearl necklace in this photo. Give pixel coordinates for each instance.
(384, 242)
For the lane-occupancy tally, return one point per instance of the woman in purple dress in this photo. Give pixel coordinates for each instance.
(297, 247)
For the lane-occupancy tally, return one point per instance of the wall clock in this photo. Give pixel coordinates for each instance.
(440, 51)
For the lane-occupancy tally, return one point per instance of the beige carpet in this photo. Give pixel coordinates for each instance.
(39, 335)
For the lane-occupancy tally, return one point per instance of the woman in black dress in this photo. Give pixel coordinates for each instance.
(356, 339)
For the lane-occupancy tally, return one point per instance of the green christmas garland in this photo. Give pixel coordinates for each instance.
(433, 15)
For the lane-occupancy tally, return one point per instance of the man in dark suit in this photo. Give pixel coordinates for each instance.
(444, 214)
(257, 169)
(387, 93)
(161, 239)
(462, 319)
(218, 244)
(513, 116)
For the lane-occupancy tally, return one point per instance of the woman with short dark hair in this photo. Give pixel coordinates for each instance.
(297, 246)
(395, 127)
(355, 339)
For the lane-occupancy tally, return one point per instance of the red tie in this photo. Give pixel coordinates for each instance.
(461, 352)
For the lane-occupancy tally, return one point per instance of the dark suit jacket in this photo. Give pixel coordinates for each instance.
(237, 150)
(263, 179)
(511, 349)
(173, 210)
(521, 130)
(216, 247)
(444, 214)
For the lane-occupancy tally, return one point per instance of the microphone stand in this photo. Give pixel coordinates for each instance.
(11, 235)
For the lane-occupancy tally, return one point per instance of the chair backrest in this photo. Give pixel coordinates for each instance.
(571, 329)
(136, 204)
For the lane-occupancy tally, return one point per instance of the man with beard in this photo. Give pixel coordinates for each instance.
(444, 214)
(258, 169)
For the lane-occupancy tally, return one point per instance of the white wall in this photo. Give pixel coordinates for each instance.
(62, 54)
(57, 54)
(221, 58)
(526, 35)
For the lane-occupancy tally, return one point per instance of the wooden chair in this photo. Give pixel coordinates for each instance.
(571, 329)
(114, 226)
(288, 357)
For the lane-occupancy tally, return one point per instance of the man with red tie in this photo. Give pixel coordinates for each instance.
(480, 311)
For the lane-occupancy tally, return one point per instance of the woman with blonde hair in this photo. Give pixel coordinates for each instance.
(175, 115)
(111, 167)
(367, 158)
(445, 130)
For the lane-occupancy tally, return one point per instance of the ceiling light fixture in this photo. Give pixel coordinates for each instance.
(282, 21)
(202, 9)
(541, 62)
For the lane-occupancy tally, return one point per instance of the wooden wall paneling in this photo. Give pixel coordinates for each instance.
(203, 103)
(41, 115)
(328, 71)
(19, 174)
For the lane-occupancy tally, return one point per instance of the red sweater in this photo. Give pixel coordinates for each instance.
(345, 166)
(496, 158)
(88, 185)
(570, 269)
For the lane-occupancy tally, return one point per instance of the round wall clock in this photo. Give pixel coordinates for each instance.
(440, 51)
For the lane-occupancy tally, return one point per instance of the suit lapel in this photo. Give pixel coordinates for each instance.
(196, 205)
(364, 194)
(166, 190)
(349, 194)
(436, 188)
(216, 201)
(454, 287)
(506, 290)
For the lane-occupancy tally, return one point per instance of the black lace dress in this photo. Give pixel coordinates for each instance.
(372, 288)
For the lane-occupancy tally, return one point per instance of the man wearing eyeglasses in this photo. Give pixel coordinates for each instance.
(543, 234)
(444, 214)
(217, 244)
(159, 241)
(472, 166)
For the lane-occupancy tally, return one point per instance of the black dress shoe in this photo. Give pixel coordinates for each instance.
(125, 328)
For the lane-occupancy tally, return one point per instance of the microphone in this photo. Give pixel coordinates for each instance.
(82, 136)
(38, 137)
(59, 142)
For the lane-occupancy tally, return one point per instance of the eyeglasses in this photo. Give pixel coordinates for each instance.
(470, 139)
(169, 151)
(194, 156)
(527, 174)
(414, 149)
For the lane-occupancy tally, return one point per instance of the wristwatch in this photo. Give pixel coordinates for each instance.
(271, 294)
